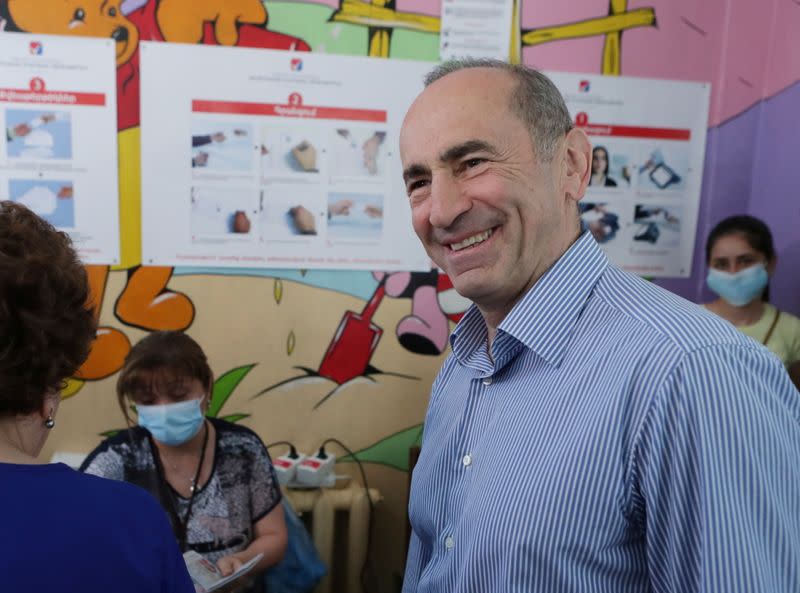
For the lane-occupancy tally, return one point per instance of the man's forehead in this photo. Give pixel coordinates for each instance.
(479, 81)
(465, 88)
(435, 136)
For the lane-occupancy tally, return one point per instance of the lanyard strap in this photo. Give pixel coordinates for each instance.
(772, 327)
(182, 525)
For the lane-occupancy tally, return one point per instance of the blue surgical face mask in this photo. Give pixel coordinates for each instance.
(172, 424)
(740, 288)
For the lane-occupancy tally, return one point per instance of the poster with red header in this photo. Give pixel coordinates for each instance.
(648, 145)
(266, 158)
(58, 149)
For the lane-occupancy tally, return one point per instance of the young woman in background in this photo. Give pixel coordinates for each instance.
(741, 258)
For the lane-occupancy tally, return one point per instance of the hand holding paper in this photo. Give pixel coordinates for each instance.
(209, 577)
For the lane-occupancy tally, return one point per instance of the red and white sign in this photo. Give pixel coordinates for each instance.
(294, 107)
(58, 152)
(648, 140)
(37, 93)
(263, 158)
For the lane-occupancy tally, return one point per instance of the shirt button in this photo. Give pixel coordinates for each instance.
(449, 543)
(467, 460)
(487, 381)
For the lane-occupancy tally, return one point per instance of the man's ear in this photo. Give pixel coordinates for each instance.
(577, 163)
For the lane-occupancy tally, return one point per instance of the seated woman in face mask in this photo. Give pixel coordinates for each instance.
(741, 258)
(214, 479)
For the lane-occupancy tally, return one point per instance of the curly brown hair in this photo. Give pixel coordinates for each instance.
(46, 322)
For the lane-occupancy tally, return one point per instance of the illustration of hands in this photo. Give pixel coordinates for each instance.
(340, 208)
(303, 220)
(23, 129)
(344, 208)
(20, 131)
(200, 159)
(373, 211)
(656, 158)
(370, 147)
(306, 156)
(241, 223)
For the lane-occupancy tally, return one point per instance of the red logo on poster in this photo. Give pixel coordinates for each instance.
(581, 119)
(295, 99)
(296, 64)
(583, 86)
(36, 48)
(37, 84)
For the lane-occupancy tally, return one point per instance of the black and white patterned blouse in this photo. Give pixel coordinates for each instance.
(241, 490)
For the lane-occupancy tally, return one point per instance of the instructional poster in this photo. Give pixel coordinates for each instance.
(648, 143)
(476, 28)
(260, 158)
(58, 152)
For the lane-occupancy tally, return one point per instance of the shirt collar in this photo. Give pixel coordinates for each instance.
(545, 317)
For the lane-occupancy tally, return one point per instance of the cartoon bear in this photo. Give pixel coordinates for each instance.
(88, 18)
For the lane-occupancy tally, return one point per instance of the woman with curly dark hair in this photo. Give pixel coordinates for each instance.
(98, 535)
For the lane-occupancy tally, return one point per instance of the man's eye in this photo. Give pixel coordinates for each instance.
(473, 162)
(415, 185)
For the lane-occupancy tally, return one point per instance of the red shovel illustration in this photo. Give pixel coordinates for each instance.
(355, 340)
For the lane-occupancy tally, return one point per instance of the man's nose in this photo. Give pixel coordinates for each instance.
(448, 202)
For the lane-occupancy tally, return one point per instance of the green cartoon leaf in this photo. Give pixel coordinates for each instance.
(391, 451)
(224, 387)
(234, 418)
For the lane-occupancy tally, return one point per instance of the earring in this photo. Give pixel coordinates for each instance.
(49, 423)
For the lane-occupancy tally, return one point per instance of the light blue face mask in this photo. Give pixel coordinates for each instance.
(740, 288)
(172, 424)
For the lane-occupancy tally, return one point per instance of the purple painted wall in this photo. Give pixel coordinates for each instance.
(752, 167)
(752, 151)
(775, 193)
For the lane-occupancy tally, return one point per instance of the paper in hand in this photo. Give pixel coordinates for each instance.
(207, 577)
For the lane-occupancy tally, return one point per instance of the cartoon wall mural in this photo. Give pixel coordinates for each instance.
(145, 302)
(315, 354)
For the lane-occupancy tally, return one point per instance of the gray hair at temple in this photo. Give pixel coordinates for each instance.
(535, 100)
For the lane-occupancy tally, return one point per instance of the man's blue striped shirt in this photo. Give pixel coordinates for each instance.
(619, 439)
